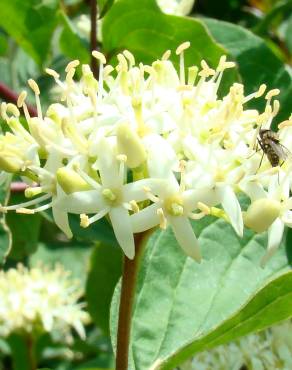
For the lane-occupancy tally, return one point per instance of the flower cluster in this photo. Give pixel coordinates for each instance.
(38, 300)
(269, 349)
(146, 146)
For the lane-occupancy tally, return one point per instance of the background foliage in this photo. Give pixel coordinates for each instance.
(181, 308)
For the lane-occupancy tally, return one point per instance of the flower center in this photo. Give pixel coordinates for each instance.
(174, 205)
(112, 196)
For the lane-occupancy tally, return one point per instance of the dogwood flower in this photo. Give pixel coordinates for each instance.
(147, 146)
(40, 300)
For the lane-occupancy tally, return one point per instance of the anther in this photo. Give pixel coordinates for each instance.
(52, 73)
(99, 56)
(166, 55)
(272, 93)
(21, 99)
(84, 220)
(72, 65)
(182, 47)
(162, 219)
(34, 86)
(134, 206)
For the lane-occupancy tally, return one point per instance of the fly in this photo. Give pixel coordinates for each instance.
(270, 144)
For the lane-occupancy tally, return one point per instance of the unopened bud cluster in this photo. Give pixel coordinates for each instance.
(147, 146)
(40, 300)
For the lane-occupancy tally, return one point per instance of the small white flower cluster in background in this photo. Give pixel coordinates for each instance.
(147, 146)
(269, 349)
(176, 7)
(37, 300)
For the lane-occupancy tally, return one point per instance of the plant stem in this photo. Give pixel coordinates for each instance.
(31, 353)
(93, 36)
(9, 95)
(129, 277)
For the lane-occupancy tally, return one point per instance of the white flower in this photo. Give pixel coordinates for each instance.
(39, 299)
(148, 146)
(176, 7)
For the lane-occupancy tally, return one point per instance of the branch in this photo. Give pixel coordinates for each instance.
(8, 95)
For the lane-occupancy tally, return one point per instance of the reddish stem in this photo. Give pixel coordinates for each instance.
(9, 95)
(93, 36)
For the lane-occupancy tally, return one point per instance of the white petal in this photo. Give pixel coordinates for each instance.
(161, 157)
(185, 236)
(208, 196)
(145, 219)
(61, 220)
(135, 190)
(232, 208)
(108, 165)
(275, 234)
(253, 190)
(122, 226)
(90, 201)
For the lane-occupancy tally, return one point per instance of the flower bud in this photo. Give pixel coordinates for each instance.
(261, 214)
(130, 145)
(70, 181)
(10, 163)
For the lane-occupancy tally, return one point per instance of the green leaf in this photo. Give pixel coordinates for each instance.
(147, 32)
(25, 230)
(183, 307)
(104, 7)
(288, 33)
(106, 263)
(72, 45)
(5, 233)
(31, 23)
(257, 63)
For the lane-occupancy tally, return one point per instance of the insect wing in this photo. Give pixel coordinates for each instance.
(282, 152)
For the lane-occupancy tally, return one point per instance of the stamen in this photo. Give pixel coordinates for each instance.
(101, 58)
(272, 93)
(192, 75)
(204, 208)
(21, 98)
(122, 158)
(182, 167)
(12, 109)
(130, 57)
(95, 185)
(33, 191)
(27, 204)
(166, 55)
(180, 51)
(162, 219)
(34, 86)
(150, 195)
(35, 210)
(134, 205)
(85, 221)
(71, 65)
(256, 94)
(52, 73)
(196, 216)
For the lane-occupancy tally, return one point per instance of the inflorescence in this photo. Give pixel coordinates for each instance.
(147, 146)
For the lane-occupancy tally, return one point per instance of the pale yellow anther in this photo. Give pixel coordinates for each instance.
(134, 206)
(52, 72)
(25, 211)
(261, 91)
(84, 220)
(276, 107)
(204, 208)
(73, 64)
(224, 65)
(166, 55)
(272, 93)
(11, 108)
(146, 189)
(122, 158)
(70, 74)
(21, 98)
(99, 56)
(33, 191)
(192, 74)
(34, 86)
(285, 123)
(3, 109)
(206, 70)
(182, 47)
(130, 57)
(162, 219)
(122, 62)
(108, 70)
(86, 70)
